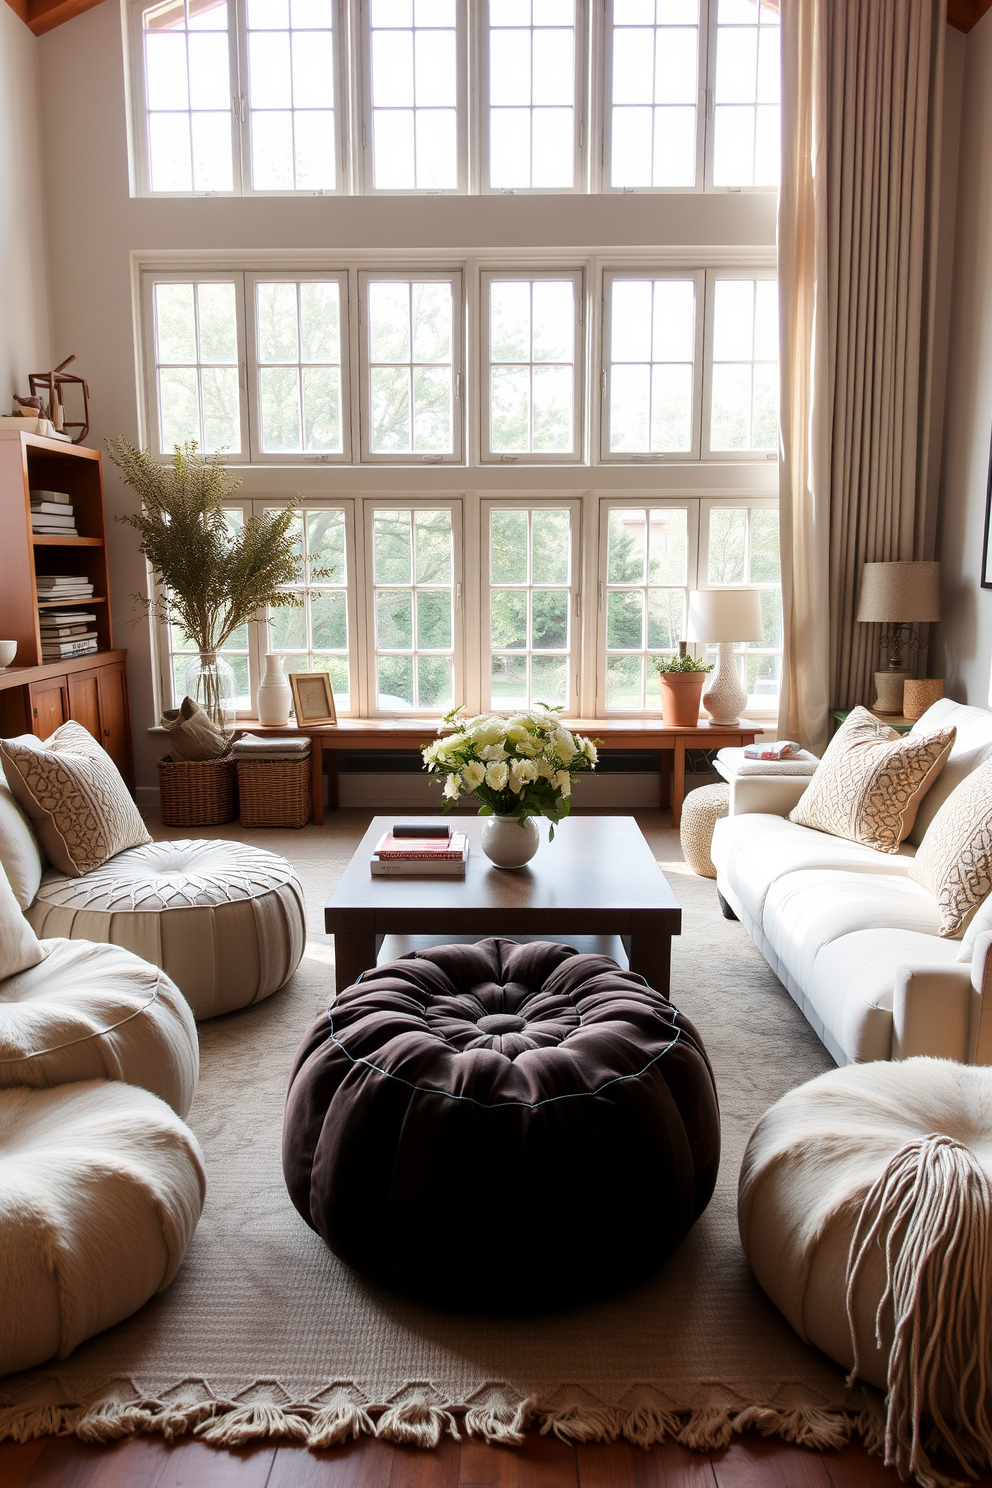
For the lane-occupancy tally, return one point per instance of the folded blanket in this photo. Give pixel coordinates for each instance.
(734, 762)
(255, 746)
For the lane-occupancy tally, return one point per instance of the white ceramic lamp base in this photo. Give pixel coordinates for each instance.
(725, 698)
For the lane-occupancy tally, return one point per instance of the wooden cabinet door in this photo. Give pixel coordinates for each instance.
(84, 701)
(114, 728)
(49, 705)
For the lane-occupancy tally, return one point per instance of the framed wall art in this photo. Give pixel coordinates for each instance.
(313, 698)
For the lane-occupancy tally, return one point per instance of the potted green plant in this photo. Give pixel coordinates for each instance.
(681, 679)
(211, 576)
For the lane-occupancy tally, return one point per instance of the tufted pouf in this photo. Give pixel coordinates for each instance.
(869, 1158)
(101, 1188)
(501, 1127)
(89, 1012)
(701, 810)
(225, 921)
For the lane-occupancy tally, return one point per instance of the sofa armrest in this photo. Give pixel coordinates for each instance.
(932, 1012)
(980, 1041)
(771, 795)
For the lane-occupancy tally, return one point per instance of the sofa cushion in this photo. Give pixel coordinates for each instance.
(955, 857)
(972, 747)
(20, 855)
(73, 792)
(753, 851)
(871, 781)
(807, 910)
(19, 946)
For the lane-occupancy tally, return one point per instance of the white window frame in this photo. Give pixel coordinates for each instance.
(252, 278)
(699, 371)
(522, 502)
(701, 177)
(580, 131)
(487, 455)
(403, 502)
(758, 704)
(403, 274)
(362, 31)
(733, 457)
(154, 413)
(710, 95)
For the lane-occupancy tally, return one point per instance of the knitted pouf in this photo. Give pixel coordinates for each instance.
(701, 810)
(876, 1181)
(101, 1187)
(502, 1127)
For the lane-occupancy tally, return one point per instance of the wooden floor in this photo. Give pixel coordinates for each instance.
(544, 1462)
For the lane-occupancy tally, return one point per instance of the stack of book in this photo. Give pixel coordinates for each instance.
(52, 514)
(64, 586)
(66, 633)
(419, 851)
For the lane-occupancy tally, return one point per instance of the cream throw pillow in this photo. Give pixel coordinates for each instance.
(954, 860)
(19, 946)
(871, 781)
(72, 791)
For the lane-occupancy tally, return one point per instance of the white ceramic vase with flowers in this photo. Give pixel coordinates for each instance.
(517, 768)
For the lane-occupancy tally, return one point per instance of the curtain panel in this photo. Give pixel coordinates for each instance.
(858, 217)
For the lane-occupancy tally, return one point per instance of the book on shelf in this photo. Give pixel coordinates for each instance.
(57, 498)
(64, 632)
(52, 509)
(390, 848)
(40, 530)
(419, 867)
(55, 618)
(58, 650)
(62, 581)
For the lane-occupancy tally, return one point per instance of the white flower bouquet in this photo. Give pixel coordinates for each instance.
(520, 766)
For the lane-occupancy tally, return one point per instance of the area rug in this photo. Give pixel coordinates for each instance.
(265, 1334)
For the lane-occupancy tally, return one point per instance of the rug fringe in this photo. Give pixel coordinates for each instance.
(112, 1422)
(416, 1420)
(583, 1423)
(28, 1423)
(500, 1420)
(333, 1424)
(248, 1423)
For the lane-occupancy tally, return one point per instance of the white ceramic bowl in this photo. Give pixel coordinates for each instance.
(8, 650)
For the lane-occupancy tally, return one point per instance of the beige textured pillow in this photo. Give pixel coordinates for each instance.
(19, 946)
(871, 781)
(954, 860)
(72, 791)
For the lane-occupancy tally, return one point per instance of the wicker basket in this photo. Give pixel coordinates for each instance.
(198, 793)
(275, 793)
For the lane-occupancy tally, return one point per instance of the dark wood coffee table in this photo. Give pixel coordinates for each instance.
(598, 877)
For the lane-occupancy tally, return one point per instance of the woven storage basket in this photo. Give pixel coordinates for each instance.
(275, 793)
(198, 793)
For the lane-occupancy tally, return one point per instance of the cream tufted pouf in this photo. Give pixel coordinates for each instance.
(90, 1012)
(101, 1188)
(869, 1157)
(225, 921)
(701, 810)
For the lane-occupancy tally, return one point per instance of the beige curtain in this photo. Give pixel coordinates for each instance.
(861, 105)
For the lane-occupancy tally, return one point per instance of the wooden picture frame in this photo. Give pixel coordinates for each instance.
(313, 698)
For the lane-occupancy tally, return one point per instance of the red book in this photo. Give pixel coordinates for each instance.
(413, 849)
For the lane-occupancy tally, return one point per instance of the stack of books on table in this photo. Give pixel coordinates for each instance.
(63, 586)
(66, 633)
(52, 514)
(417, 852)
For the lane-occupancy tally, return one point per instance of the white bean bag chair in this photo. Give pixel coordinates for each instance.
(872, 1185)
(90, 1012)
(101, 1188)
(225, 921)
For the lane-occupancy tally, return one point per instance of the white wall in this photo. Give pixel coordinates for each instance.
(962, 649)
(25, 342)
(95, 227)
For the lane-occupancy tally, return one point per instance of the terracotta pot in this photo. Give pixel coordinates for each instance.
(680, 695)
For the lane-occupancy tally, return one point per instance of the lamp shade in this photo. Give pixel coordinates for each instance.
(725, 615)
(900, 593)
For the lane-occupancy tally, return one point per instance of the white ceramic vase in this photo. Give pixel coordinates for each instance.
(725, 698)
(275, 696)
(507, 843)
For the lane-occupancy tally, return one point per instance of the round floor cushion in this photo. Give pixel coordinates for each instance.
(224, 920)
(501, 1127)
(101, 1188)
(89, 1012)
(887, 1154)
(701, 810)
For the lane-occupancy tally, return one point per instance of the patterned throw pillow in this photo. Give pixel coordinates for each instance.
(954, 860)
(871, 781)
(73, 793)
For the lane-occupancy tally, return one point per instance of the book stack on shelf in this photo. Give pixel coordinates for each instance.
(63, 587)
(416, 851)
(66, 633)
(52, 514)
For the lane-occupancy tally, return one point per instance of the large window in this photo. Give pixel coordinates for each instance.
(297, 334)
(743, 412)
(651, 354)
(315, 96)
(195, 350)
(412, 596)
(532, 349)
(410, 367)
(314, 637)
(531, 602)
(742, 547)
(647, 576)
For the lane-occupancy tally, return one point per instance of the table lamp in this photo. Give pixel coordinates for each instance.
(895, 595)
(726, 617)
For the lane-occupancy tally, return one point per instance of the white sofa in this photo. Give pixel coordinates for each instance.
(852, 938)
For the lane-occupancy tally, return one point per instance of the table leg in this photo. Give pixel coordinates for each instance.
(650, 955)
(353, 954)
(678, 780)
(665, 779)
(317, 778)
(332, 779)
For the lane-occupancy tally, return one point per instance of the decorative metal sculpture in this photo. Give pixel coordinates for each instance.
(50, 384)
